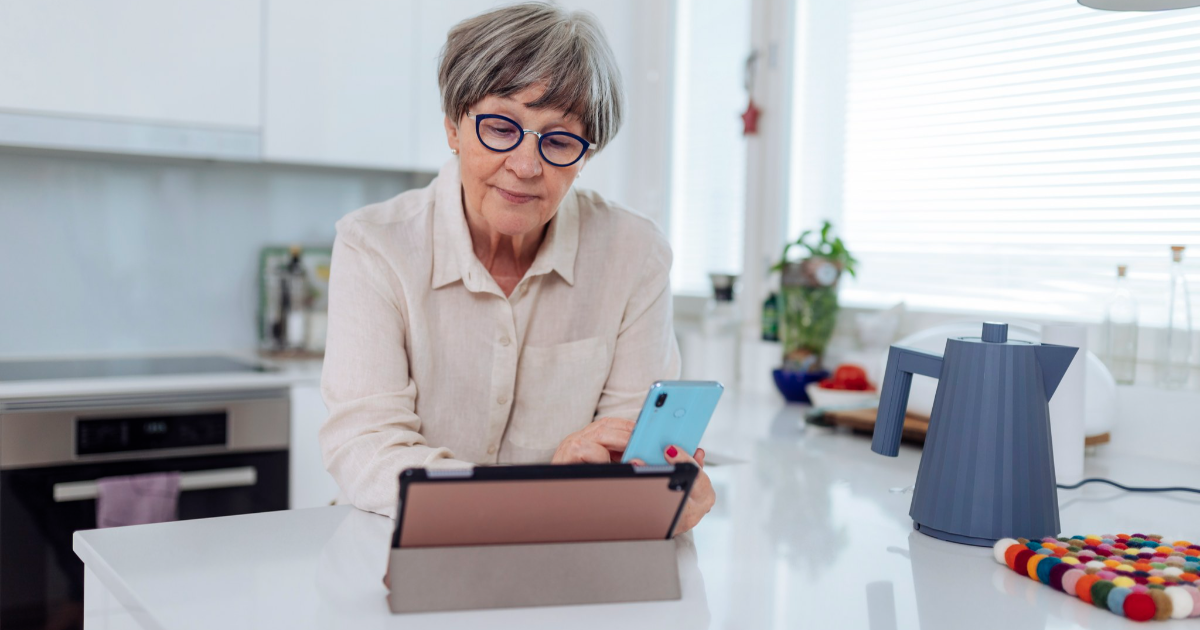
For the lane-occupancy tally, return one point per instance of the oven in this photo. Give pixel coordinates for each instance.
(229, 447)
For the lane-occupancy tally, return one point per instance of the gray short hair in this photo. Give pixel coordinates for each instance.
(506, 50)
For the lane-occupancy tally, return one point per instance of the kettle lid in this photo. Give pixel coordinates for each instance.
(995, 332)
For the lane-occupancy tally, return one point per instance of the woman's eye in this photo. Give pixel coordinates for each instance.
(501, 130)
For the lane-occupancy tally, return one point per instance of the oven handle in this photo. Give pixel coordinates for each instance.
(197, 480)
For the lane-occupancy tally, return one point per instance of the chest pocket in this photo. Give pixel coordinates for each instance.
(556, 393)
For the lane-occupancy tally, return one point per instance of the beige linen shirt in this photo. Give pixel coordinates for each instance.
(428, 363)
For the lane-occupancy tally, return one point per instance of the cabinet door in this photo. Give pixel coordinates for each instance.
(339, 83)
(184, 62)
(310, 484)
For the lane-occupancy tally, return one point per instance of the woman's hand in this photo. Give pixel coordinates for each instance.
(701, 498)
(601, 442)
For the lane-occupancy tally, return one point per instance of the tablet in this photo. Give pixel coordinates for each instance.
(525, 504)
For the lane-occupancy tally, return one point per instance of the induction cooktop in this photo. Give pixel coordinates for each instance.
(56, 369)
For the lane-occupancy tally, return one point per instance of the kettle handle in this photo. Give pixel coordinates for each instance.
(902, 363)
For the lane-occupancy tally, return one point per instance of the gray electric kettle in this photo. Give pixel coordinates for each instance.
(987, 471)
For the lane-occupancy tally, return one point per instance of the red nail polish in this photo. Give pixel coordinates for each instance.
(672, 451)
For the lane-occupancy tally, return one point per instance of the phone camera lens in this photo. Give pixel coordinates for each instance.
(662, 400)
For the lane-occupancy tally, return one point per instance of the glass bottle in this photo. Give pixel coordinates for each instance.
(296, 302)
(1121, 330)
(770, 318)
(1175, 341)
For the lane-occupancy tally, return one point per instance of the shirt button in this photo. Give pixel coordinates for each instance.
(502, 399)
(504, 341)
(491, 450)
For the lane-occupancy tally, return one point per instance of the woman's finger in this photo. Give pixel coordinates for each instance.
(616, 423)
(612, 439)
(676, 455)
(601, 427)
(700, 457)
(701, 487)
(702, 490)
(585, 451)
(702, 496)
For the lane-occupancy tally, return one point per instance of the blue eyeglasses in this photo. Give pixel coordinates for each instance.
(502, 134)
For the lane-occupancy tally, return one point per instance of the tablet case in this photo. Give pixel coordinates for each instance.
(511, 536)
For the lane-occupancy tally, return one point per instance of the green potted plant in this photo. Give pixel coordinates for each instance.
(808, 306)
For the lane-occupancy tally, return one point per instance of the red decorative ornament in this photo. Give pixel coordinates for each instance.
(750, 119)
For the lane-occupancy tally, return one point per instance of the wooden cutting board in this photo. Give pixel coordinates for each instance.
(863, 421)
(916, 426)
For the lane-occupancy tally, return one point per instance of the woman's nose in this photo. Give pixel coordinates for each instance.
(524, 161)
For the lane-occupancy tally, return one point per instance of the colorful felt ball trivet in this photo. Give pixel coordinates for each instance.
(1141, 577)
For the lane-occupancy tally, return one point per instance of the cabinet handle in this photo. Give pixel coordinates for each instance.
(198, 480)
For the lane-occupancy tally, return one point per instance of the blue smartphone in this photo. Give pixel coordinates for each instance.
(675, 412)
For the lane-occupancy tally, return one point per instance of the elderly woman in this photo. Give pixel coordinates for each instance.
(499, 315)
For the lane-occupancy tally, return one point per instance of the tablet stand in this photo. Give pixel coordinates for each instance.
(427, 579)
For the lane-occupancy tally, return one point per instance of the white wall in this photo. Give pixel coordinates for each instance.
(108, 254)
(634, 168)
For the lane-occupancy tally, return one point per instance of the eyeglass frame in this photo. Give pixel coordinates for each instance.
(587, 146)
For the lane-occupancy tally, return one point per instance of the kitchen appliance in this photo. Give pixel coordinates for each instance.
(231, 449)
(1100, 409)
(987, 471)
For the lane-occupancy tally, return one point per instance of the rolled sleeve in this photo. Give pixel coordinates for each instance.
(372, 432)
(646, 349)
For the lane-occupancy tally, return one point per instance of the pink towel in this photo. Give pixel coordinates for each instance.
(137, 499)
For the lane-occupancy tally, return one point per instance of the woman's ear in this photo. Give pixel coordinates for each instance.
(451, 134)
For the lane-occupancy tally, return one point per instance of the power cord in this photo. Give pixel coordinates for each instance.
(1126, 488)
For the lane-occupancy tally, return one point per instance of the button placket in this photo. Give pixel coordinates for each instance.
(504, 375)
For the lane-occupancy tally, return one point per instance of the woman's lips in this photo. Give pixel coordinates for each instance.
(513, 197)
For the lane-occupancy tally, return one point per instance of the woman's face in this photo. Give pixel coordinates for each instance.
(514, 192)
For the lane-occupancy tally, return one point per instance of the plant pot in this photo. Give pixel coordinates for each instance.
(792, 384)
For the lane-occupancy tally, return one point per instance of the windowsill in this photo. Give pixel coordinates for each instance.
(867, 304)
(690, 305)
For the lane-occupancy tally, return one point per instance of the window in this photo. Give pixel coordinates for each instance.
(708, 155)
(1005, 155)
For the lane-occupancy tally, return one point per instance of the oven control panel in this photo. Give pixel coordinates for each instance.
(96, 436)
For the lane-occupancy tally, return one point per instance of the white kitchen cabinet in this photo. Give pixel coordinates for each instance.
(347, 84)
(126, 72)
(339, 83)
(310, 485)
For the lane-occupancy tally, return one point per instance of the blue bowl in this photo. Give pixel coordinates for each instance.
(792, 384)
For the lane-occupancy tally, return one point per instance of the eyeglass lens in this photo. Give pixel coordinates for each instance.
(501, 135)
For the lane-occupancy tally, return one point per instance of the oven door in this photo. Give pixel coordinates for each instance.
(41, 578)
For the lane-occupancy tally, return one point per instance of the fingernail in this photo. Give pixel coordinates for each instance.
(672, 451)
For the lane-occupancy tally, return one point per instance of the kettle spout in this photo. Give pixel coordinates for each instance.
(1054, 360)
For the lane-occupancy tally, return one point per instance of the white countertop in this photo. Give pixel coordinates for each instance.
(810, 530)
(283, 373)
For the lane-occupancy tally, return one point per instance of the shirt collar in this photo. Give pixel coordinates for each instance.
(454, 257)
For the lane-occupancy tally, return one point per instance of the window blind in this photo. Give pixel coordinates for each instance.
(1005, 155)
